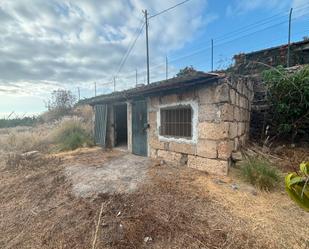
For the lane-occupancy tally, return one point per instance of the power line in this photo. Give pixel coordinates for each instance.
(123, 61)
(220, 44)
(132, 44)
(228, 35)
(258, 23)
(229, 41)
(168, 9)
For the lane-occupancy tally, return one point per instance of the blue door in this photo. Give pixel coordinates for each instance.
(139, 127)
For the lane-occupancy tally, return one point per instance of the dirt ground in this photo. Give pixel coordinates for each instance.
(119, 175)
(167, 207)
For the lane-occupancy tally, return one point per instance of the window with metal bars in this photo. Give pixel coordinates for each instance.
(176, 121)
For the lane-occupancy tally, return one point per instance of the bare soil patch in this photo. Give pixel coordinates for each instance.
(175, 207)
(122, 174)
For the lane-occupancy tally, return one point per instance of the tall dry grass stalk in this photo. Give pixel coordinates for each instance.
(46, 136)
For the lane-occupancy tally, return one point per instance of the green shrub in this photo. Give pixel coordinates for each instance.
(14, 122)
(288, 93)
(71, 135)
(260, 173)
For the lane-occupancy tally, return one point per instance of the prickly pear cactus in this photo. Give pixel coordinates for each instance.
(297, 186)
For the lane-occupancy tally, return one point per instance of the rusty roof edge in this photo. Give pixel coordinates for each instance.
(164, 85)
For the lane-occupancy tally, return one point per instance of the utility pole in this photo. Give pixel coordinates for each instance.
(289, 38)
(166, 67)
(135, 77)
(147, 45)
(95, 89)
(78, 92)
(212, 55)
(114, 84)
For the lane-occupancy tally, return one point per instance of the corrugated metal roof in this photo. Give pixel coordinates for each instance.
(175, 83)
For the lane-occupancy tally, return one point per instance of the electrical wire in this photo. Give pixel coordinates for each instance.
(225, 38)
(168, 9)
(131, 46)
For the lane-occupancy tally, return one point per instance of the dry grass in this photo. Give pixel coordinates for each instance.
(175, 213)
(272, 216)
(177, 208)
(18, 141)
(41, 137)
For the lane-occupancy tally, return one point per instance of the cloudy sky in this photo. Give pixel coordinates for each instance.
(47, 45)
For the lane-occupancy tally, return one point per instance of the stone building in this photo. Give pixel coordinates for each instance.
(197, 120)
(251, 65)
(254, 62)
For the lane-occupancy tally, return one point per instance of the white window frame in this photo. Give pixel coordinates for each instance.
(194, 122)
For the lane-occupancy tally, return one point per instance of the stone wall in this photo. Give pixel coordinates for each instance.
(247, 63)
(223, 114)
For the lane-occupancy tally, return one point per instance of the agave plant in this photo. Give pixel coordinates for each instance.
(297, 186)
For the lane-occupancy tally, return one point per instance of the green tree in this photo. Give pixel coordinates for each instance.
(186, 71)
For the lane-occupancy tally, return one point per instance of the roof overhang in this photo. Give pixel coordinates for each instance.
(157, 88)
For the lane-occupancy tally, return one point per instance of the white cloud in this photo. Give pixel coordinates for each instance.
(243, 6)
(50, 44)
(301, 7)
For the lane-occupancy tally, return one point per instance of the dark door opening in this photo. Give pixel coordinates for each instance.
(121, 127)
(139, 128)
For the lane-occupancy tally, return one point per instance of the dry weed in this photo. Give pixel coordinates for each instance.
(19, 161)
(177, 208)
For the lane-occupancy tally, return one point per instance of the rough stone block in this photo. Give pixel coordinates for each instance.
(213, 131)
(242, 127)
(233, 96)
(225, 149)
(155, 143)
(239, 86)
(242, 114)
(233, 129)
(227, 112)
(153, 153)
(212, 166)
(237, 156)
(182, 147)
(209, 112)
(222, 93)
(239, 129)
(206, 95)
(237, 116)
(243, 103)
(242, 140)
(207, 148)
(236, 144)
(169, 156)
(237, 99)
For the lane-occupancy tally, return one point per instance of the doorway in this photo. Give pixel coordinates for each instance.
(121, 126)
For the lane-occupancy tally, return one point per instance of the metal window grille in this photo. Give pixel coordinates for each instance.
(176, 122)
